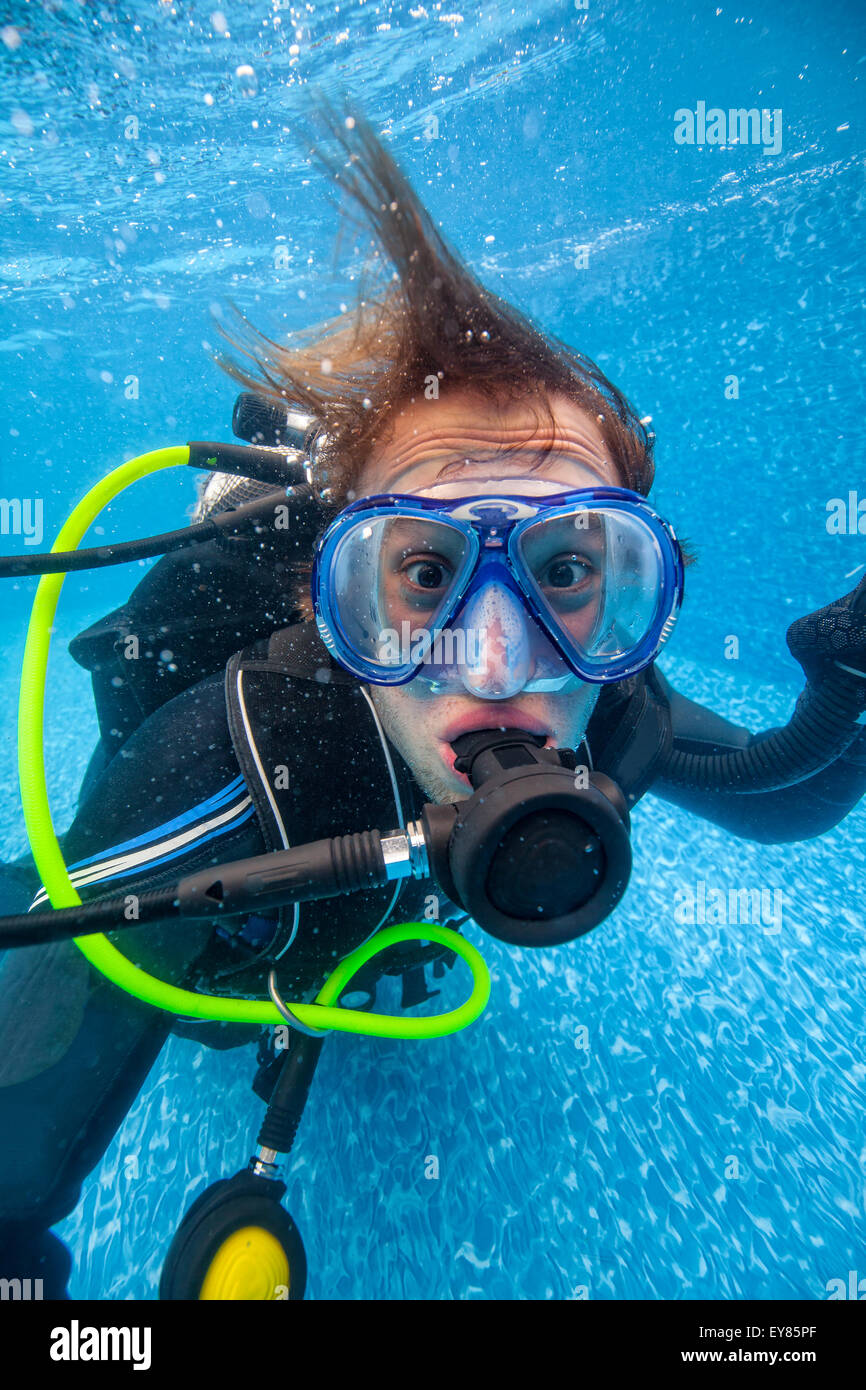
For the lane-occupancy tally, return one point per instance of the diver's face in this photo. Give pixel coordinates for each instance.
(448, 448)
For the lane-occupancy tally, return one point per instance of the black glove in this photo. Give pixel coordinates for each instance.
(833, 638)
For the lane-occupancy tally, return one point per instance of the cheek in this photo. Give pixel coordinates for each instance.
(403, 717)
(578, 715)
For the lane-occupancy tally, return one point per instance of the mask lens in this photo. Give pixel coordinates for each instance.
(596, 575)
(392, 579)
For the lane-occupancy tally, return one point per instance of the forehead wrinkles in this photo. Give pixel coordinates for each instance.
(452, 447)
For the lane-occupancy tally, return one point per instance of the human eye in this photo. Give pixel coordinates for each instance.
(426, 573)
(568, 579)
(566, 572)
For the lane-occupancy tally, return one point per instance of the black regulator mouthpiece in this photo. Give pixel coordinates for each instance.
(540, 852)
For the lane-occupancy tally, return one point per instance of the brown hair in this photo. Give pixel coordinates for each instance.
(432, 319)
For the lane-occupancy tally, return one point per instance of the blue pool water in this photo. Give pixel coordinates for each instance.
(658, 1110)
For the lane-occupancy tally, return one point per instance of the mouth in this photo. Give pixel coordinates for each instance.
(501, 717)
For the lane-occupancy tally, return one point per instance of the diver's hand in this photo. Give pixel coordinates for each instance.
(834, 638)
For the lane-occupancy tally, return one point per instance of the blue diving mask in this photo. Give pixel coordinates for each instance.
(497, 594)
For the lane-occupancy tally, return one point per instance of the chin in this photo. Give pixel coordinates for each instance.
(439, 787)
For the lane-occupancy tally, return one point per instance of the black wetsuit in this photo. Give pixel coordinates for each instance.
(282, 747)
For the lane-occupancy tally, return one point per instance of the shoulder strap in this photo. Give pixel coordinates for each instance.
(317, 763)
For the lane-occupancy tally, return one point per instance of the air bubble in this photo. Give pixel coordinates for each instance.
(246, 83)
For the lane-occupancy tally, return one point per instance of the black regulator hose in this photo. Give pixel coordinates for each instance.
(97, 915)
(830, 645)
(320, 869)
(280, 467)
(537, 855)
(256, 517)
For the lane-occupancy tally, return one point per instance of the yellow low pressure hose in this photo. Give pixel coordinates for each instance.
(321, 1015)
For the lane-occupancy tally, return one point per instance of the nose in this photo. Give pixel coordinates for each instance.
(498, 659)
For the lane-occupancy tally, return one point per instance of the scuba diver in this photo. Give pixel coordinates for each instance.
(460, 606)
